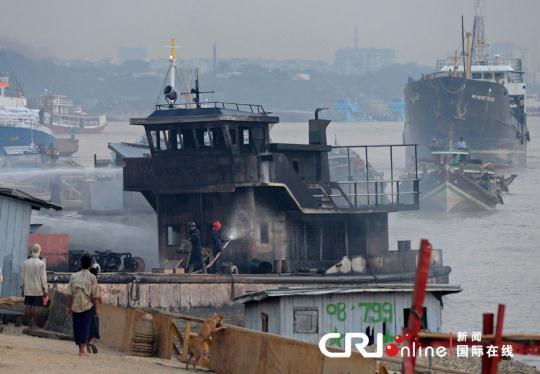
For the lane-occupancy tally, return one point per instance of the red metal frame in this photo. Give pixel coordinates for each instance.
(521, 344)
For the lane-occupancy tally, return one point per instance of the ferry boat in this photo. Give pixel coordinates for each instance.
(20, 129)
(64, 118)
(475, 97)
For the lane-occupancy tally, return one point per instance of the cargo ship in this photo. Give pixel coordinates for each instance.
(20, 130)
(471, 96)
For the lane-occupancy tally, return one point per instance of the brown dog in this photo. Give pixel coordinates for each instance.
(199, 344)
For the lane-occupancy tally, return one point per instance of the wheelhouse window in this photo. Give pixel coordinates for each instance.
(174, 235)
(476, 75)
(488, 76)
(245, 136)
(265, 237)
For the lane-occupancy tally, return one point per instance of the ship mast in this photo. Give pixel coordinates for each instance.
(172, 58)
(479, 33)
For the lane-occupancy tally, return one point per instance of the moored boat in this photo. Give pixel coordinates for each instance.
(458, 183)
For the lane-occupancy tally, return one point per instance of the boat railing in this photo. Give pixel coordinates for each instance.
(376, 176)
(18, 122)
(399, 193)
(253, 108)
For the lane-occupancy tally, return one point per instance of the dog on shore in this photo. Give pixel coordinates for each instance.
(200, 343)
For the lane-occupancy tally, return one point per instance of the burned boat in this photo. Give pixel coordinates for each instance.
(278, 204)
(457, 183)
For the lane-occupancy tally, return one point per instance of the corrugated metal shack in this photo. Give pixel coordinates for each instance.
(15, 211)
(309, 313)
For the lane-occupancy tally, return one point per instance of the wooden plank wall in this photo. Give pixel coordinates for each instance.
(234, 349)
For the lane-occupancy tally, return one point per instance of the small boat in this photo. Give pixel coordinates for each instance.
(458, 183)
(67, 146)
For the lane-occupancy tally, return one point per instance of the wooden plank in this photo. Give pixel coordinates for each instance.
(185, 347)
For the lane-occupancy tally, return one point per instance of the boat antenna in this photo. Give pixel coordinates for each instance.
(196, 91)
(463, 47)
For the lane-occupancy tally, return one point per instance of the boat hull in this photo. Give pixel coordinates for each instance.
(447, 108)
(449, 191)
(23, 136)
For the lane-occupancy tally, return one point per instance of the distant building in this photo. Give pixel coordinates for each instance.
(309, 313)
(352, 61)
(132, 53)
(15, 211)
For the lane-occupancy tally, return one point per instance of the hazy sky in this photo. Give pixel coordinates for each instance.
(419, 30)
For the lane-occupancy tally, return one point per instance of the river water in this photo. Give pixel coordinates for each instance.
(495, 256)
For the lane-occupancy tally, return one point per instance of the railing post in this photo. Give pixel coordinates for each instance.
(349, 162)
(416, 192)
(355, 195)
(367, 174)
(397, 193)
(416, 161)
(376, 193)
(392, 174)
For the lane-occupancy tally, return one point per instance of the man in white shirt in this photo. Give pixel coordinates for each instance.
(461, 145)
(33, 283)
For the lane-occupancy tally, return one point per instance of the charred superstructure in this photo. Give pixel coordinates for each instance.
(276, 201)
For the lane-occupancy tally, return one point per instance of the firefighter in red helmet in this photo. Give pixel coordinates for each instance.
(217, 246)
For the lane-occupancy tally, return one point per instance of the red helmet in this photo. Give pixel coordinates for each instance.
(216, 225)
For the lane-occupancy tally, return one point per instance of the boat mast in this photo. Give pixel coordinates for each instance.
(479, 36)
(172, 58)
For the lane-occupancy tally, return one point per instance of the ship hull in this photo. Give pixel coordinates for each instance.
(448, 191)
(21, 136)
(447, 108)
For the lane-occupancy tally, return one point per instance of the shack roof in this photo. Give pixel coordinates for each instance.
(440, 289)
(27, 198)
(213, 113)
(129, 150)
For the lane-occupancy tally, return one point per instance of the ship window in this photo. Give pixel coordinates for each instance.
(207, 139)
(476, 75)
(488, 75)
(245, 136)
(217, 138)
(306, 321)
(499, 76)
(180, 141)
(296, 165)
(233, 136)
(173, 235)
(188, 139)
(264, 233)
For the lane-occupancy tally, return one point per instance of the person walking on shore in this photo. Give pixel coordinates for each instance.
(83, 295)
(33, 284)
(94, 324)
